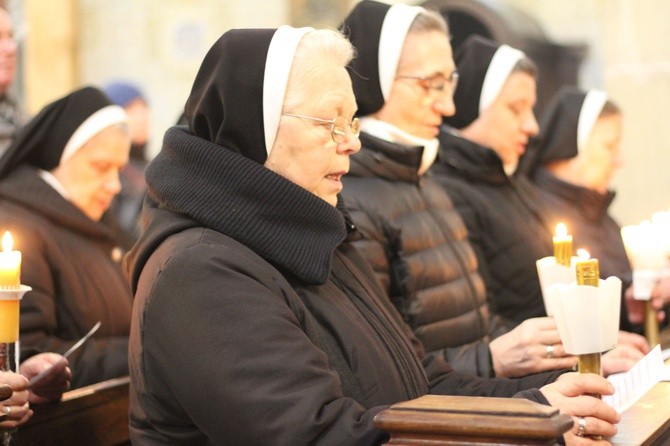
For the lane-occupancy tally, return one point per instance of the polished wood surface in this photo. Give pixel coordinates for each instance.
(458, 420)
(647, 423)
(93, 415)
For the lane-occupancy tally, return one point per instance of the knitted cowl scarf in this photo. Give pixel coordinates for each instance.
(213, 172)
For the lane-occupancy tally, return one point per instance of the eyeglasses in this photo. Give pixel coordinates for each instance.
(437, 82)
(338, 126)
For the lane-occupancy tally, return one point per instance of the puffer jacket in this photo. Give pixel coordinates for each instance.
(506, 223)
(418, 246)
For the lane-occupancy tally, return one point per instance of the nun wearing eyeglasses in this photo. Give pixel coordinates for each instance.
(255, 321)
(56, 182)
(412, 233)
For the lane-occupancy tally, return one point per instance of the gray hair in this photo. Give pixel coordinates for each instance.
(427, 21)
(318, 48)
(525, 65)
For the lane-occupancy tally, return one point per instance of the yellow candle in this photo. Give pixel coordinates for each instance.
(9, 320)
(10, 265)
(562, 245)
(588, 270)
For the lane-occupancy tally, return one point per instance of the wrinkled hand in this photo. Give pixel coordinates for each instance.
(620, 359)
(570, 394)
(524, 350)
(52, 385)
(17, 408)
(660, 296)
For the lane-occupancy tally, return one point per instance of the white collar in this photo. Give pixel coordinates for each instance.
(389, 132)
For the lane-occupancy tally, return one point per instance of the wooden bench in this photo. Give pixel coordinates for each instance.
(459, 421)
(93, 415)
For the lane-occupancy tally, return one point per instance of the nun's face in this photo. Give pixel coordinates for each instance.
(304, 151)
(414, 105)
(600, 157)
(7, 51)
(91, 175)
(508, 123)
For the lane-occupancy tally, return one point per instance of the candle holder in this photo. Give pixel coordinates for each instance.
(647, 253)
(587, 317)
(10, 301)
(644, 281)
(551, 272)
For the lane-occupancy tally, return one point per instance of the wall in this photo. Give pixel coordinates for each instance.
(630, 59)
(159, 45)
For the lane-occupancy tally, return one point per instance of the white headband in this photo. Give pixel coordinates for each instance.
(94, 124)
(275, 80)
(501, 66)
(588, 115)
(394, 30)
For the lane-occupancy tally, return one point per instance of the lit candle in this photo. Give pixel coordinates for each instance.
(10, 265)
(562, 245)
(588, 270)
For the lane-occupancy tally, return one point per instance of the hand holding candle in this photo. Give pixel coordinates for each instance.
(562, 245)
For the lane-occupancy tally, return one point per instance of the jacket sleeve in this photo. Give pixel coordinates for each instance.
(224, 351)
(100, 358)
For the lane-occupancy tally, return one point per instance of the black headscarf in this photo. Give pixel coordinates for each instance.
(558, 137)
(42, 141)
(363, 27)
(560, 125)
(220, 112)
(473, 60)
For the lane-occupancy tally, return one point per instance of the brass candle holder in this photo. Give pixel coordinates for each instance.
(588, 273)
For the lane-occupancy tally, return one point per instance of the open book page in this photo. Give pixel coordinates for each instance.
(632, 385)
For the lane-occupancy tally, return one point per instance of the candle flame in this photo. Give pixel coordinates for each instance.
(7, 242)
(561, 230)
(583, 254)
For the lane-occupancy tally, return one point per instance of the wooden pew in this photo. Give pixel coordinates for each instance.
(460, 421)
(93, 415)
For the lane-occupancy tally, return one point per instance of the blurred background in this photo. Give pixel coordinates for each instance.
(621, 46)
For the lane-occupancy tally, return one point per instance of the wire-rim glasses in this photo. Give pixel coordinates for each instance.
(338, 126)
(436, 82)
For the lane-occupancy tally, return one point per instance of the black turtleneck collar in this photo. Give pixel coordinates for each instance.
(220, 189)
(592, 204)
(470, 160)
(388, 160)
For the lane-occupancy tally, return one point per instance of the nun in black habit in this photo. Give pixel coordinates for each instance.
(480, 146)
(56, 181)
(255, 320)
(574, 160)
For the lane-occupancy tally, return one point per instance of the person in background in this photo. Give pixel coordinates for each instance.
(48, 389)
(56, 181)
(127, 204)
(12, 115)
(480, 148)
(255, 320)
(410, 231)
(575, 158)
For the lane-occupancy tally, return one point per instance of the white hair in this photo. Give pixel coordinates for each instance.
(319, 48)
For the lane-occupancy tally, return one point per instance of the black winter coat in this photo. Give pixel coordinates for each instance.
(284, 338)
(505, 221)
(585, 211)
(73, 266)
(417, 244)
